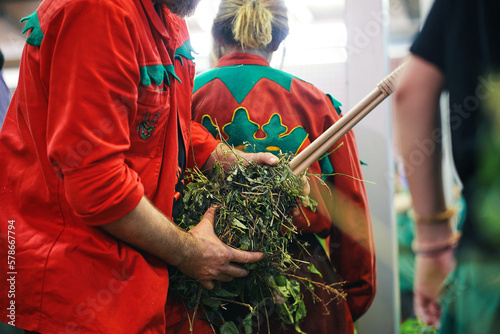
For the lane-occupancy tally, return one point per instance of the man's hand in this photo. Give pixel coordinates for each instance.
(263, 158)
(199, 253)
(213, 260)
(226, 155)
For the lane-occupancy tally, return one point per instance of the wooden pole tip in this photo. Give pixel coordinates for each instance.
(388, 85)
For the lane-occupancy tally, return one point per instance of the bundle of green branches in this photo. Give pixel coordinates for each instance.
(254, 214)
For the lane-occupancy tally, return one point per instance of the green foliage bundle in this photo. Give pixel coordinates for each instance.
(416, 326)
(254, 205)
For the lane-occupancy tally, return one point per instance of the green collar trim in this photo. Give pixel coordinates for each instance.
(36, 35)
(326, 167)
(157, 73)
(186, 51)
(336, 104)
(240, 79)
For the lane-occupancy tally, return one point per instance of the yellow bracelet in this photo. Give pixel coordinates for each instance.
(436, 249)
(438, 217)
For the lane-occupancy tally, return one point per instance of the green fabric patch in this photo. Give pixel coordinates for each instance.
(336, 104)
(186, 51)
(206, 121)
(36, 35)
(469, 297)
(157, 73)
(241, 132)
(326, 167)
(240, 79)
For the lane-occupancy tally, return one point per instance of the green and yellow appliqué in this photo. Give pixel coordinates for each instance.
(242, 131)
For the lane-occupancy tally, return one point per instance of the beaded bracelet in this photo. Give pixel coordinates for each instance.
(438, 217)
(434, 250)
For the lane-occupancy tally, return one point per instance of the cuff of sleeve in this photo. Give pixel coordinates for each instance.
(104, 192)
(203, 144)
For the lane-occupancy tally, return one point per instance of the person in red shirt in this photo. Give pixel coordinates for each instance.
(93, 149)
(258, 108)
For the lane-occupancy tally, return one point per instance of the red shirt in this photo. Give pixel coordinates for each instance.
(104, 95)
(260, 108)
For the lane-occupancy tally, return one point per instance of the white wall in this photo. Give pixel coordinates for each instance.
(367, 64)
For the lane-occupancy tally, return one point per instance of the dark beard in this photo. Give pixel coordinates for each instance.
(182, 8)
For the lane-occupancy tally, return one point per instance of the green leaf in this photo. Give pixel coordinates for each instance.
(239, 224)
(210, 302)
(313, 269)
(294, 288)
(247, 323)
(286, 316)
(280, 280)
(228, 328)
(245, 243)
(301, 311)
(225, 294)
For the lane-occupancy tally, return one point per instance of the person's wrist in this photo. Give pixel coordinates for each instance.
(428, 234)
(183, 254)
(436, 248)
(435, 218)
(433, 229)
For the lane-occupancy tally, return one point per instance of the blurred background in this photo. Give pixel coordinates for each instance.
(344, 48)
(315, 49)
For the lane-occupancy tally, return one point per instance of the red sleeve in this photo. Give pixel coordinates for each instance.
(90, 73)
(201, 146)
(352, 245)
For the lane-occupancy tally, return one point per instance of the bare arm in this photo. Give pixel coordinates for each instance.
(418, 126)
(198, 253)
(418, 119)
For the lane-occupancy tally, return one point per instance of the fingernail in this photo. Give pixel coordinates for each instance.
(273, 160)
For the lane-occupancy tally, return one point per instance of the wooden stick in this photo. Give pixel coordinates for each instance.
(328, 138)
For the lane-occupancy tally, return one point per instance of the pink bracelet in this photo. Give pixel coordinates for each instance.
(434, 250)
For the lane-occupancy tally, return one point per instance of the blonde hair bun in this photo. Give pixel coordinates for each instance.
(249, 25)
(252, 25)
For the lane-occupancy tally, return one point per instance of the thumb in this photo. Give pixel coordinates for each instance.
(209, 285)
(265, 158)
(269, 158)
(207, 222)
(209, 215)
